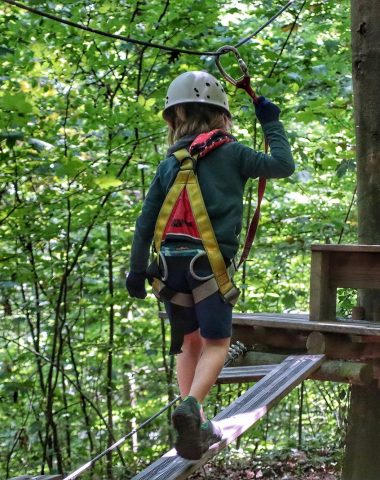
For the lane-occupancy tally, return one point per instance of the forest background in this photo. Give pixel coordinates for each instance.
(81, 135)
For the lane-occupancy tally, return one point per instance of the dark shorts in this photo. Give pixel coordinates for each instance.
(213, 316)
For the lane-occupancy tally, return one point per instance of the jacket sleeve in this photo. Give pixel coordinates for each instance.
(278, 164)
(144, 229)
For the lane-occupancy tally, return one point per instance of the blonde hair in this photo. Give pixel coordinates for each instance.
(194, 118)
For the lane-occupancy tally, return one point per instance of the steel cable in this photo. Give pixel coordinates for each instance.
(142, 42)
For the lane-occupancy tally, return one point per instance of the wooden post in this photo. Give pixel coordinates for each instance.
(322, 294)
(362, 459)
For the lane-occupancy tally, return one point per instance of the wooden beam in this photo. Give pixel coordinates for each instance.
(355, 270)
(273, 337)
(333, 346)
(340, 346)
(300, 322)
(365, 338)
(323, 247)
(357, 373)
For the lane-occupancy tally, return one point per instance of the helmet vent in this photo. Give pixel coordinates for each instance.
(207, 84)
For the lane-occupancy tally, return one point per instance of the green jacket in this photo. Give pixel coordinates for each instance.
(222, 175)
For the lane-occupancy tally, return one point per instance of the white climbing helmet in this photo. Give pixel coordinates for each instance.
(196, 87)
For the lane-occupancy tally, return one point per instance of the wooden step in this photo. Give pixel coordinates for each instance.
(239, 416)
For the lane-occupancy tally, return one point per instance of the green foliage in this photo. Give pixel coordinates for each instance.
(80, 137)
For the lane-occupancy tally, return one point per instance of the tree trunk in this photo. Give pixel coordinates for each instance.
(362, 459)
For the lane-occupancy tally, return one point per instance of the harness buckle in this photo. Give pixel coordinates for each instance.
(231, 296)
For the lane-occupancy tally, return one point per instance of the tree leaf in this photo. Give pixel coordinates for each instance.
(107, 181)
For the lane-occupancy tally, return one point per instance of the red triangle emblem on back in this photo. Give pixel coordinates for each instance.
(181, 221)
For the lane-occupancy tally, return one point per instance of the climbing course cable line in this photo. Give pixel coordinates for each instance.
(142, 42)
(266, 24)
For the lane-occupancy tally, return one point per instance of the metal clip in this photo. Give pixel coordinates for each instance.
(242, 64)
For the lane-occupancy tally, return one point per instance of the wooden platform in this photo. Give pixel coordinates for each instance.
(240, 415)
(302, 322)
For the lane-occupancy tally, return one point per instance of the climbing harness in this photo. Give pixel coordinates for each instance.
(235, 351)
(183, 215)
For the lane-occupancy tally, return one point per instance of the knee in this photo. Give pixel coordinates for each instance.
(193, 341)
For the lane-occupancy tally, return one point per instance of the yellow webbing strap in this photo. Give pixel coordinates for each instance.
(186, 178)
(172, 196)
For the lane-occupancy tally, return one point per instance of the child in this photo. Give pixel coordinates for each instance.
(197, 104)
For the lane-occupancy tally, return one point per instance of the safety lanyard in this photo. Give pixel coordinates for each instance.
(245, 83)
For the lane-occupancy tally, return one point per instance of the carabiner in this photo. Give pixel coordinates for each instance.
(242, 64)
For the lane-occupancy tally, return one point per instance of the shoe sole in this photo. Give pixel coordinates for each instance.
(210, 440)
(188, 444)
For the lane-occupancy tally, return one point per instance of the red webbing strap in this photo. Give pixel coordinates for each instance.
(245, 84)
(254, 222)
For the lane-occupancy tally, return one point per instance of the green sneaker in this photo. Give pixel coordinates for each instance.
(210, 433)
(187, 422)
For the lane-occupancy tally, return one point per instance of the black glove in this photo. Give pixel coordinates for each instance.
(135, 284)
(266, 111)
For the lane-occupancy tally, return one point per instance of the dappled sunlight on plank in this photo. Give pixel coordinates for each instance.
(234, 426)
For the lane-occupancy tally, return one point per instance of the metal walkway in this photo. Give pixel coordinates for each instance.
(240, 415)
(37, 477)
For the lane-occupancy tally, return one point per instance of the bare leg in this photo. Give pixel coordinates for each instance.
(197, 368)
(187, 361)
(208, 367)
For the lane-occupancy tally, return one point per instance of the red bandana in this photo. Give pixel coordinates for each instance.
(207, 142)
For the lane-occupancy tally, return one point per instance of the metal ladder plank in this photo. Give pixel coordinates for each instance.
(239, 416)
(38, 477)
(246, 373)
